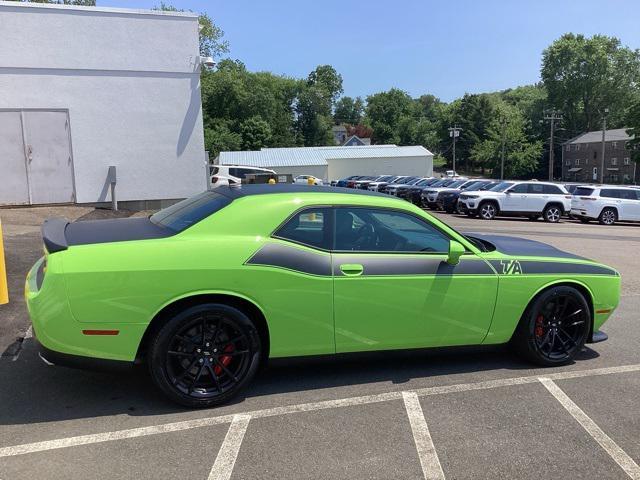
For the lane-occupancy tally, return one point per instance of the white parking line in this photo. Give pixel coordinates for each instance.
(303, 407)
(429, 461)
(611, 447)
(226, 459)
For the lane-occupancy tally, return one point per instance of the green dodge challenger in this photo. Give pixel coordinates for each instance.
(206, 290)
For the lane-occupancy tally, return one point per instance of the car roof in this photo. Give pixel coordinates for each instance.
(266, 189)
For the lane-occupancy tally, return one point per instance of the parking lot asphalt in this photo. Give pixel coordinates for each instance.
(448, 413)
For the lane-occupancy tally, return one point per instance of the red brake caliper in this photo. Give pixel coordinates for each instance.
(539, 331)
(224, 359)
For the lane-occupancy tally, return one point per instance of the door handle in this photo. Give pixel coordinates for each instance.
(351, 269)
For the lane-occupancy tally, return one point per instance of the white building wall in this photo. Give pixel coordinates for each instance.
(344, 167)
(130, 81)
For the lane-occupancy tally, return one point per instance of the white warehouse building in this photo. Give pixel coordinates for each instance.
(333, 163)
(86, 88)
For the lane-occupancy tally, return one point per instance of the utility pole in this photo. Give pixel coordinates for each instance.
(604, 129)
(454, 132)
(552, 116)
(503, 123)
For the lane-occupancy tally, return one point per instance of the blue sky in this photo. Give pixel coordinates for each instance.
(445, 48)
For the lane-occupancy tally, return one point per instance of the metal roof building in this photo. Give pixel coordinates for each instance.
(331, 163)
(613, 135)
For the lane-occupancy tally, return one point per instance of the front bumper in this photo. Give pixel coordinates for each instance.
(597, 337)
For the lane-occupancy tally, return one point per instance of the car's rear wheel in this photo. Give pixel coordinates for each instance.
(554, 328)
(205, 355)
(552, 214)
(608, 216)
(487, 210)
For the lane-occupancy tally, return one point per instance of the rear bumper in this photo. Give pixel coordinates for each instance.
(51, 357)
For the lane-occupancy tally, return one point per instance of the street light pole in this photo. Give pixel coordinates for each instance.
(454, 132)
(604, 129)
(504, 127)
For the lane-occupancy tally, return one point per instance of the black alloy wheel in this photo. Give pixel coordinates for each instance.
(554, 328)
(204, 355)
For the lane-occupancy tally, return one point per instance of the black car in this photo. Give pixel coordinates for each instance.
(400, 181)
(429, 195)
(363, 183)
(448, 199)
(412, 192)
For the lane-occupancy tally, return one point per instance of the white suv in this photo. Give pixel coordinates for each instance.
(605, 203)
(518, 199)
(233, 174)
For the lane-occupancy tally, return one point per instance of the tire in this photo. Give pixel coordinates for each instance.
(554, 328)
(204, 371)
(608, 216)
(487, 210)
(552, 213)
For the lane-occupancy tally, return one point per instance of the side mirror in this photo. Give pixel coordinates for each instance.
(456, 250)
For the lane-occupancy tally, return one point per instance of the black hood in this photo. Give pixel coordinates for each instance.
(522, 247)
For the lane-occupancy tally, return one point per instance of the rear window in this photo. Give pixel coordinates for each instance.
(182, 215)
(583, 191)
(552, 190)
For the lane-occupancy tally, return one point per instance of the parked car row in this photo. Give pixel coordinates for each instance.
(488, 199)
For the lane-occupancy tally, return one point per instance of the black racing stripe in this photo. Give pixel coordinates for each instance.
(292, 258)
(533, 267)
(401, 265)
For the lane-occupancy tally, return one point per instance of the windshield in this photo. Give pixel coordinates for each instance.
(501, 187)
(583, 191)
(439, 183)
(471, 185)
(456, 184)
(488, 186)
(182, 215)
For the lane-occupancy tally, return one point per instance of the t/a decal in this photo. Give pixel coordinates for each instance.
(511, 267)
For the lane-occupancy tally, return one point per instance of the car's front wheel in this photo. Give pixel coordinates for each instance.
(554, 327)
(204, 355)
(487, 211)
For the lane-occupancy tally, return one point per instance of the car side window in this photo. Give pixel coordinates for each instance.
(381, 230)
(536, 188)
(627, 194)
(309, 227)
(551, 190)
(521, 188)
(609, 193)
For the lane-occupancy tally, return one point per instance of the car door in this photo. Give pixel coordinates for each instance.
(515, 199)
(394, 289)
(536, 197)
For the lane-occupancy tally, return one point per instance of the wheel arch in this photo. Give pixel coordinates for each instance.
(246, 305)
(580, 286)
(494, 201)
(609, 207)
(554, 203)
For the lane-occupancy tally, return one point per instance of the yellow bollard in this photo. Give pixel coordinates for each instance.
(4, 287)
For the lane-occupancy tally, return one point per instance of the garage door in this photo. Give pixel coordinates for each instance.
(36, 144)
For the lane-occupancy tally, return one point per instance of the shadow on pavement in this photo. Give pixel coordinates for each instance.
(33, 392)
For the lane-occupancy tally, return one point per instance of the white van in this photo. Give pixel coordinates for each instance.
(233, 174)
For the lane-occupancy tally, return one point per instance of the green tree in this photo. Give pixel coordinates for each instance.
(508, 127)
(348, 110)
(255, 132)
(583, 76)
(384, 113)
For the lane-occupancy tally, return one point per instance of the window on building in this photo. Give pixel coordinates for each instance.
(614, 161)
(614, 177)
(614, 145)
(577, 162)
(595, 154)
(567, 162)
(568, 147)
(627, 161)
(577, 147)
